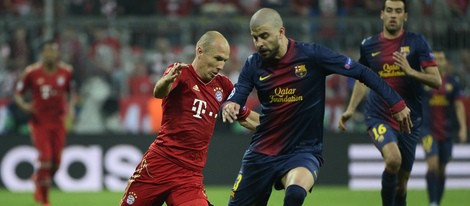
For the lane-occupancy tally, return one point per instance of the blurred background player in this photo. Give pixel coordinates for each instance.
(404, 60)
(171, 169)
(443, 118)
(50, 83)
(289, 76)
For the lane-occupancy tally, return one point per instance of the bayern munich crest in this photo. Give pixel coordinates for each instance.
(131, 197)
(218, 93)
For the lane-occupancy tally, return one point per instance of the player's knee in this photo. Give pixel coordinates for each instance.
(295, 195)
(45, 164)
(393, 163)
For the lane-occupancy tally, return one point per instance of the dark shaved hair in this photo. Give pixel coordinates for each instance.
(404, 3)
(266, 16)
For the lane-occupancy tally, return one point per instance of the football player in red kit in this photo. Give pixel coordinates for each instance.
(50, 83)
(171, 169)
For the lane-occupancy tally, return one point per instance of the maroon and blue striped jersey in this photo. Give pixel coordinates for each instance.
(377, 54)
(292, 95)
(439, 117)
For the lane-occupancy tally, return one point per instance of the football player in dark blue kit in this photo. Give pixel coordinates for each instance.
(443, 118)
(289, 76)
(405, 61)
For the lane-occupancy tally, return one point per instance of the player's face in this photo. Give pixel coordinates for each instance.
(394, 16)
(267, 40)
(214, 60)
(441, 61)
(50, 53)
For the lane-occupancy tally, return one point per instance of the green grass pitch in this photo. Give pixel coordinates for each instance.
(218, 195)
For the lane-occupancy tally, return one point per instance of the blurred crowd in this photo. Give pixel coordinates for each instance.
(116, 64)
(441, 8)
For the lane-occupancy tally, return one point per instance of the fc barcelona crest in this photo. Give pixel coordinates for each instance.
(405, 50)
(300, 70)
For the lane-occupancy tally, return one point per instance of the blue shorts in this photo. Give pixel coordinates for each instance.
(260, 172)
(382, 134)
(443, 149)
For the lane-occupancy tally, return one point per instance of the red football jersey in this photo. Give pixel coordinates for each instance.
(189, 115)
(49, 92)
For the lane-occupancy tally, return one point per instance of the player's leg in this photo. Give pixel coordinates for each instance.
(445, 155)
(385, 140)
(299, 175)
(254, 182)
(188, 193)
(143, 187)
(57, 148)
(297, 182)
(407, 144)
(41, 139)
(432, 160)
(143, 194)
(197, 202)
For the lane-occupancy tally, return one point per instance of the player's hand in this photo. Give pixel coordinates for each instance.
(344, 118)
(402, 62)
(230, 112)
(27, 108)
(174, 72)
(404, 119)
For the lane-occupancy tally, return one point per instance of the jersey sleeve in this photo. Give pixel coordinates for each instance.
(426, 57)
(245, 84)
(23, 82)
(337, 63)
(362, 60)
(457, 92)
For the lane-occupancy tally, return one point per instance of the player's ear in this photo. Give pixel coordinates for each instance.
(198, 51)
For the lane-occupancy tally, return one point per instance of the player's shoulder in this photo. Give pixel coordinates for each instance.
(413, 36)
(254, 61)
(65, 66)
(223, 79)
(32, 68)
(310, 49)
(369, 40)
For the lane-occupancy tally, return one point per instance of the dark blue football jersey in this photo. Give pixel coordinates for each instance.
(292, 95)
(377, 54)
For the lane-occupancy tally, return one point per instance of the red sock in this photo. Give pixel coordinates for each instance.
(44, 180)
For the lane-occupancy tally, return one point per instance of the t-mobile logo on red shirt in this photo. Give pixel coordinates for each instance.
(199, 107)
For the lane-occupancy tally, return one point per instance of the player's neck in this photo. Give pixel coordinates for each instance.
(388, 35)
(50, 67)
(283, 48)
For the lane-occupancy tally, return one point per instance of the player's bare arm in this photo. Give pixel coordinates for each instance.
(430, 76)
(19, 99)
(251, 122)
(25, 106)
(359, 92)
(163, 85)
(460, 112)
